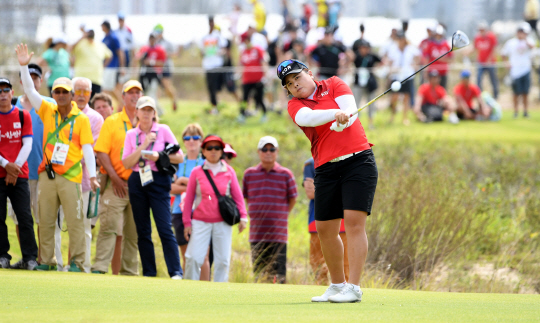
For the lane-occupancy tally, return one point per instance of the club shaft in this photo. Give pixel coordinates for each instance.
(405, 80)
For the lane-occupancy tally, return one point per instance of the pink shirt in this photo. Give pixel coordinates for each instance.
(164, 135)
(201, 196)
(96, 121)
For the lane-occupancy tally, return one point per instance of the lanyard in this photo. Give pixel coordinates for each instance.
(125, 127)
(196, 163)
(138, 144)
(70, 130)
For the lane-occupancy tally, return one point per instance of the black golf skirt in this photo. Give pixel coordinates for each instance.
(345, 185)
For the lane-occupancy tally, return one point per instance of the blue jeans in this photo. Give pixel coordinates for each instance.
(492, 76)
(154, 196)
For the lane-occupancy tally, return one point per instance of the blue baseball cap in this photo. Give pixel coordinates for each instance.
(465, 74)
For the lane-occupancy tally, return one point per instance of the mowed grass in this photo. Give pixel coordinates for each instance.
(70, 297)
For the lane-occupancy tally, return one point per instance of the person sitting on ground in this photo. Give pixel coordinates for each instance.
(465, 93)
(432, 100)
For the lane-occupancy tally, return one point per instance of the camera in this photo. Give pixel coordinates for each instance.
(50, 171)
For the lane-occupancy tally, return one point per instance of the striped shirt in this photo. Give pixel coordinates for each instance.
(268, 195)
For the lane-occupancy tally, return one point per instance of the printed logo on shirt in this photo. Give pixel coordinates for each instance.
(324, 93)
(11, 134)
(16, 125)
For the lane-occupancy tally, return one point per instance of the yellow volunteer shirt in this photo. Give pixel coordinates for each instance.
(89, 58)
(260, 16)
(322, 14)
(111, 141)
(82, 135)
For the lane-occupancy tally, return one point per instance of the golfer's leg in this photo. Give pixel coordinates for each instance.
(332, 248)
(357, 243)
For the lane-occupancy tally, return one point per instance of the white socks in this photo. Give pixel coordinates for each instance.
(339, 285)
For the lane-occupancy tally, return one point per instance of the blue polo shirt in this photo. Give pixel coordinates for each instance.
(184, 170)
(113, 44)
(36, 155)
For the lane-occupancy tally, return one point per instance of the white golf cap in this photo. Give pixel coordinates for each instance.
(146, 101)
(525, 27)
(267, 140)
(59, 39)
(439, 30)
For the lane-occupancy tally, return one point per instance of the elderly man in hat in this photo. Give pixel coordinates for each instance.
(270, 191)
(67, 140)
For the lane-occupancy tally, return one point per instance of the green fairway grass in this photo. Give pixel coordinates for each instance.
(71, 297)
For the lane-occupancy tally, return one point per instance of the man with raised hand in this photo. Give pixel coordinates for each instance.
(36, 155)
(15, 146)
(67, 140)
(115, 207)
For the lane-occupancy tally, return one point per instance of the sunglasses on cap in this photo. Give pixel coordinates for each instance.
(283, 66)
(209, 148)
(264, 149)
(5, 90)
(187, 138)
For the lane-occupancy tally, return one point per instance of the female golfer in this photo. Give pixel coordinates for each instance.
(345, 171)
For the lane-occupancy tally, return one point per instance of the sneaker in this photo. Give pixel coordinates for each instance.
(31, 265)
(4, 263)
(45, 268)
(526, 115)
(347, 295)
(241, 119)
(453, 118)
(264, 119)
(330, 291)
(74, 268)
(176, 277)
(21, 264)
(214, 111)
(97, 272)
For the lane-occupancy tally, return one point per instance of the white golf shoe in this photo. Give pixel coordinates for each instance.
(332, 290)
(346, 295)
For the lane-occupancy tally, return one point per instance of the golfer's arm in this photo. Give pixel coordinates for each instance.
(347, 104)
(305, 117)
(29, 90)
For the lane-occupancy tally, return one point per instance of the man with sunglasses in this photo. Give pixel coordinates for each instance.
(15, 146)
(115, 213)
(270, 191)
(36, 155)
(82, 87)
(67, 141)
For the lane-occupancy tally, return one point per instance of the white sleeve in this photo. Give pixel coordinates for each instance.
(89, 159)
(3, 162)
(29, 90)
(306, 117)
(25, 151)
(347, 104)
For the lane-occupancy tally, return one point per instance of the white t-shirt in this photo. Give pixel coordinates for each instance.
(259, 40)
(211, 46)
(402, 61)
(387, 47)
(519, 55)
(125, 37)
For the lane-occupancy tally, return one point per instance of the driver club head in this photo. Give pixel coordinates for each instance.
(459, 40)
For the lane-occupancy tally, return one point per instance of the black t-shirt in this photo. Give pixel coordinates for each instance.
(272, 53)
(328, 58)
(369, 62)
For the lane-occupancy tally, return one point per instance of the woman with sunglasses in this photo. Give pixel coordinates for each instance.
(192, 137)
(345, 172)
(207, 222)
(149, 189)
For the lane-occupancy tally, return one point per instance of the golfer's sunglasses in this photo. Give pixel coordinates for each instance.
(286, 63)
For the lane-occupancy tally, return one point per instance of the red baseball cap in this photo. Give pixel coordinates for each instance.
(244, 37)
(213, 138)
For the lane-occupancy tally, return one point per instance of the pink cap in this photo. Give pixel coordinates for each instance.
(228, 149)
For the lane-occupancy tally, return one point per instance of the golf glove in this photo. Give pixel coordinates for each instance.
(338, 127)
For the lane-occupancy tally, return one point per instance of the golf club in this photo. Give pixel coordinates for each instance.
(459, 40)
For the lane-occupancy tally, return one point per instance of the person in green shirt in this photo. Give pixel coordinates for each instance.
(56, 57)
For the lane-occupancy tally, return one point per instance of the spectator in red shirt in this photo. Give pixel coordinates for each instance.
(270, 191)
(465, 93)
(152, 58)
(436, 48)
(484, 44)
(432, 100)
(15, 146)
(254, 62)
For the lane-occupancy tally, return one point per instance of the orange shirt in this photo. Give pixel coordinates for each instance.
(111, 141)
(81, 135)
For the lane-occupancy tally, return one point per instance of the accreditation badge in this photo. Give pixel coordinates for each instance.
(60, 153)
(146, 175)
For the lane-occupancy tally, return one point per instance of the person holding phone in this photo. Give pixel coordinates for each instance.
(149, 189)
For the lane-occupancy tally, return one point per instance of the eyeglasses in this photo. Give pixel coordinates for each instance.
(188, 138)
(5, 90)
(287, 63)
(82, 92)
(60, 91)
(209, 148)
(264, 149)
